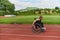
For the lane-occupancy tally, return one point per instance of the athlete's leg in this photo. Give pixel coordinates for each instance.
(42, 24)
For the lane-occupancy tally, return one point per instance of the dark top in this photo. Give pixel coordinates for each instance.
(37, 22)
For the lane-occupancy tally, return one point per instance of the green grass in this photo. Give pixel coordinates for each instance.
(54, 19)
(47, 19)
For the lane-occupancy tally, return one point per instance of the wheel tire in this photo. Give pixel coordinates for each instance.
(36, 30)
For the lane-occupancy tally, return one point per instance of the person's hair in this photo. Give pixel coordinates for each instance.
(40, 17)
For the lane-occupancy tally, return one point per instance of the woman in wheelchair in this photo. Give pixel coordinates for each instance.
(38, 23)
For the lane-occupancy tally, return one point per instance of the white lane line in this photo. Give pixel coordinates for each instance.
(29, 35)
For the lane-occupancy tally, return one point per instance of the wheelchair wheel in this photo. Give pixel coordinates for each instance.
(38, 29)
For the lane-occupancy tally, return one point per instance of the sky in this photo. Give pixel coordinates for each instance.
(22, 4)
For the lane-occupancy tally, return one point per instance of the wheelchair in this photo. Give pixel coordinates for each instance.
(38, 28)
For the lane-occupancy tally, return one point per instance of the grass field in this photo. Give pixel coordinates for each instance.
(47, 19)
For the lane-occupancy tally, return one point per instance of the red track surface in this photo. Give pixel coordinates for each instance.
(2, 17)
(24, 32)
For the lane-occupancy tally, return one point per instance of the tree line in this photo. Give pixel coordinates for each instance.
(47, 11)
(7, 8)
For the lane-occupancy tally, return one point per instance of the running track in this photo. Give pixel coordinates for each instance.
(24, 32)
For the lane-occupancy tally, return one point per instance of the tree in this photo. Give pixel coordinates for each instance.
(56, 8)
(8, 7)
